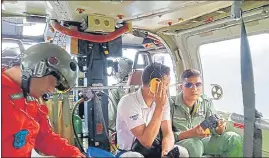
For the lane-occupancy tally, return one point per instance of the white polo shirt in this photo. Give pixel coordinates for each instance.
(132, 112)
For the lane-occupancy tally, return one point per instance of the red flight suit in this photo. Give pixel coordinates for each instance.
(25, 126)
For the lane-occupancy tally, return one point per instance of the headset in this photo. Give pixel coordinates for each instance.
(153, 85)
(153, 82)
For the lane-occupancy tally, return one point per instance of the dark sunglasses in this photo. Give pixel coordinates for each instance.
(190, 85)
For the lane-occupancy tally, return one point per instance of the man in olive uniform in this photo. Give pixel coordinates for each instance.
(189, 110)
(121, 71)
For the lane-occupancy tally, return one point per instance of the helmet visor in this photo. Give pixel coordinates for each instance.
(62, 84)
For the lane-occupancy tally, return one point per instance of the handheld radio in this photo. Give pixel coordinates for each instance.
(210, 122)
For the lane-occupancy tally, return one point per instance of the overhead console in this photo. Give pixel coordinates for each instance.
(98, 23)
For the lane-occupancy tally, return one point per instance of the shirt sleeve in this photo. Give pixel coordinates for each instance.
(51, 143)
(166, 112)
(130, 113)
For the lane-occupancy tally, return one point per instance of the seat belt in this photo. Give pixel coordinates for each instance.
(55, 111)
(66, 110)
(252, 134)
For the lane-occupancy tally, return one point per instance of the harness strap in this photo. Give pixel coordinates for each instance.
(195, 108)
(25, 83)
(55, 110)
(66, 110)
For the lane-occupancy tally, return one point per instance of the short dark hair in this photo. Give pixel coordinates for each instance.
(190, 73)
(154, 70)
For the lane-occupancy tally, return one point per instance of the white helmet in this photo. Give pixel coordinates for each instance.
(122, 68)
(48, 59)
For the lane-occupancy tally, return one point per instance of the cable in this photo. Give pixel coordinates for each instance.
(73, 113)
(115, 148)
(103, 114)
(76, 136)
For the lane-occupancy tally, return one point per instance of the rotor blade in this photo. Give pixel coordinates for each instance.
(247, 82)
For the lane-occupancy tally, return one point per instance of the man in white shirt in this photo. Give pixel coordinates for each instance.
(141, 114)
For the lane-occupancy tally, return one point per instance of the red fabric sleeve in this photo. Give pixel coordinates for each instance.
(51, 143)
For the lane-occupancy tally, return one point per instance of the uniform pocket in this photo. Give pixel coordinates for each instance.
(197, 120)
(180, 123)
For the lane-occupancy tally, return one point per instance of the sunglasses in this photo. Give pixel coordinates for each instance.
(190, 85)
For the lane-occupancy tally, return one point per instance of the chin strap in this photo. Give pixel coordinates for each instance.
(25, 83)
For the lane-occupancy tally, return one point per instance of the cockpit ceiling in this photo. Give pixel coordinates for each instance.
(151, 15)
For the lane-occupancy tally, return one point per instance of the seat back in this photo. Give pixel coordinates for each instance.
(134, 79)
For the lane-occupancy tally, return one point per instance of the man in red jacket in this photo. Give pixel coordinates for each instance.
(25, 126)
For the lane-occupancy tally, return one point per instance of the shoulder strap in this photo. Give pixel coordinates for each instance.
(55, 110)
(66, 109)
(196, 106)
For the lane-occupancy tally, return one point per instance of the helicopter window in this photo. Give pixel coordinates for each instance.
(166, 59)
(221, 65)
(27, 45)
(9, 45)
(140, 60)
(14, 45)
(33, 29)
(127, 53)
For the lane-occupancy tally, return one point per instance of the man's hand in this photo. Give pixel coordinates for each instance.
(164, 153)
(221, 126)
(167, 145)
(199, 132)
(161, 95)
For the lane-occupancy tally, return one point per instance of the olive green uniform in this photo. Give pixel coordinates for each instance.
(229, 144)
(115, 96)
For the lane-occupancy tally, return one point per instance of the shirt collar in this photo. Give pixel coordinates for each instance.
(140, 98)
(179, 102)
(6, 81)
(13, 86)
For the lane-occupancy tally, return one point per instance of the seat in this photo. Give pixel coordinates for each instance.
(134, 79)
